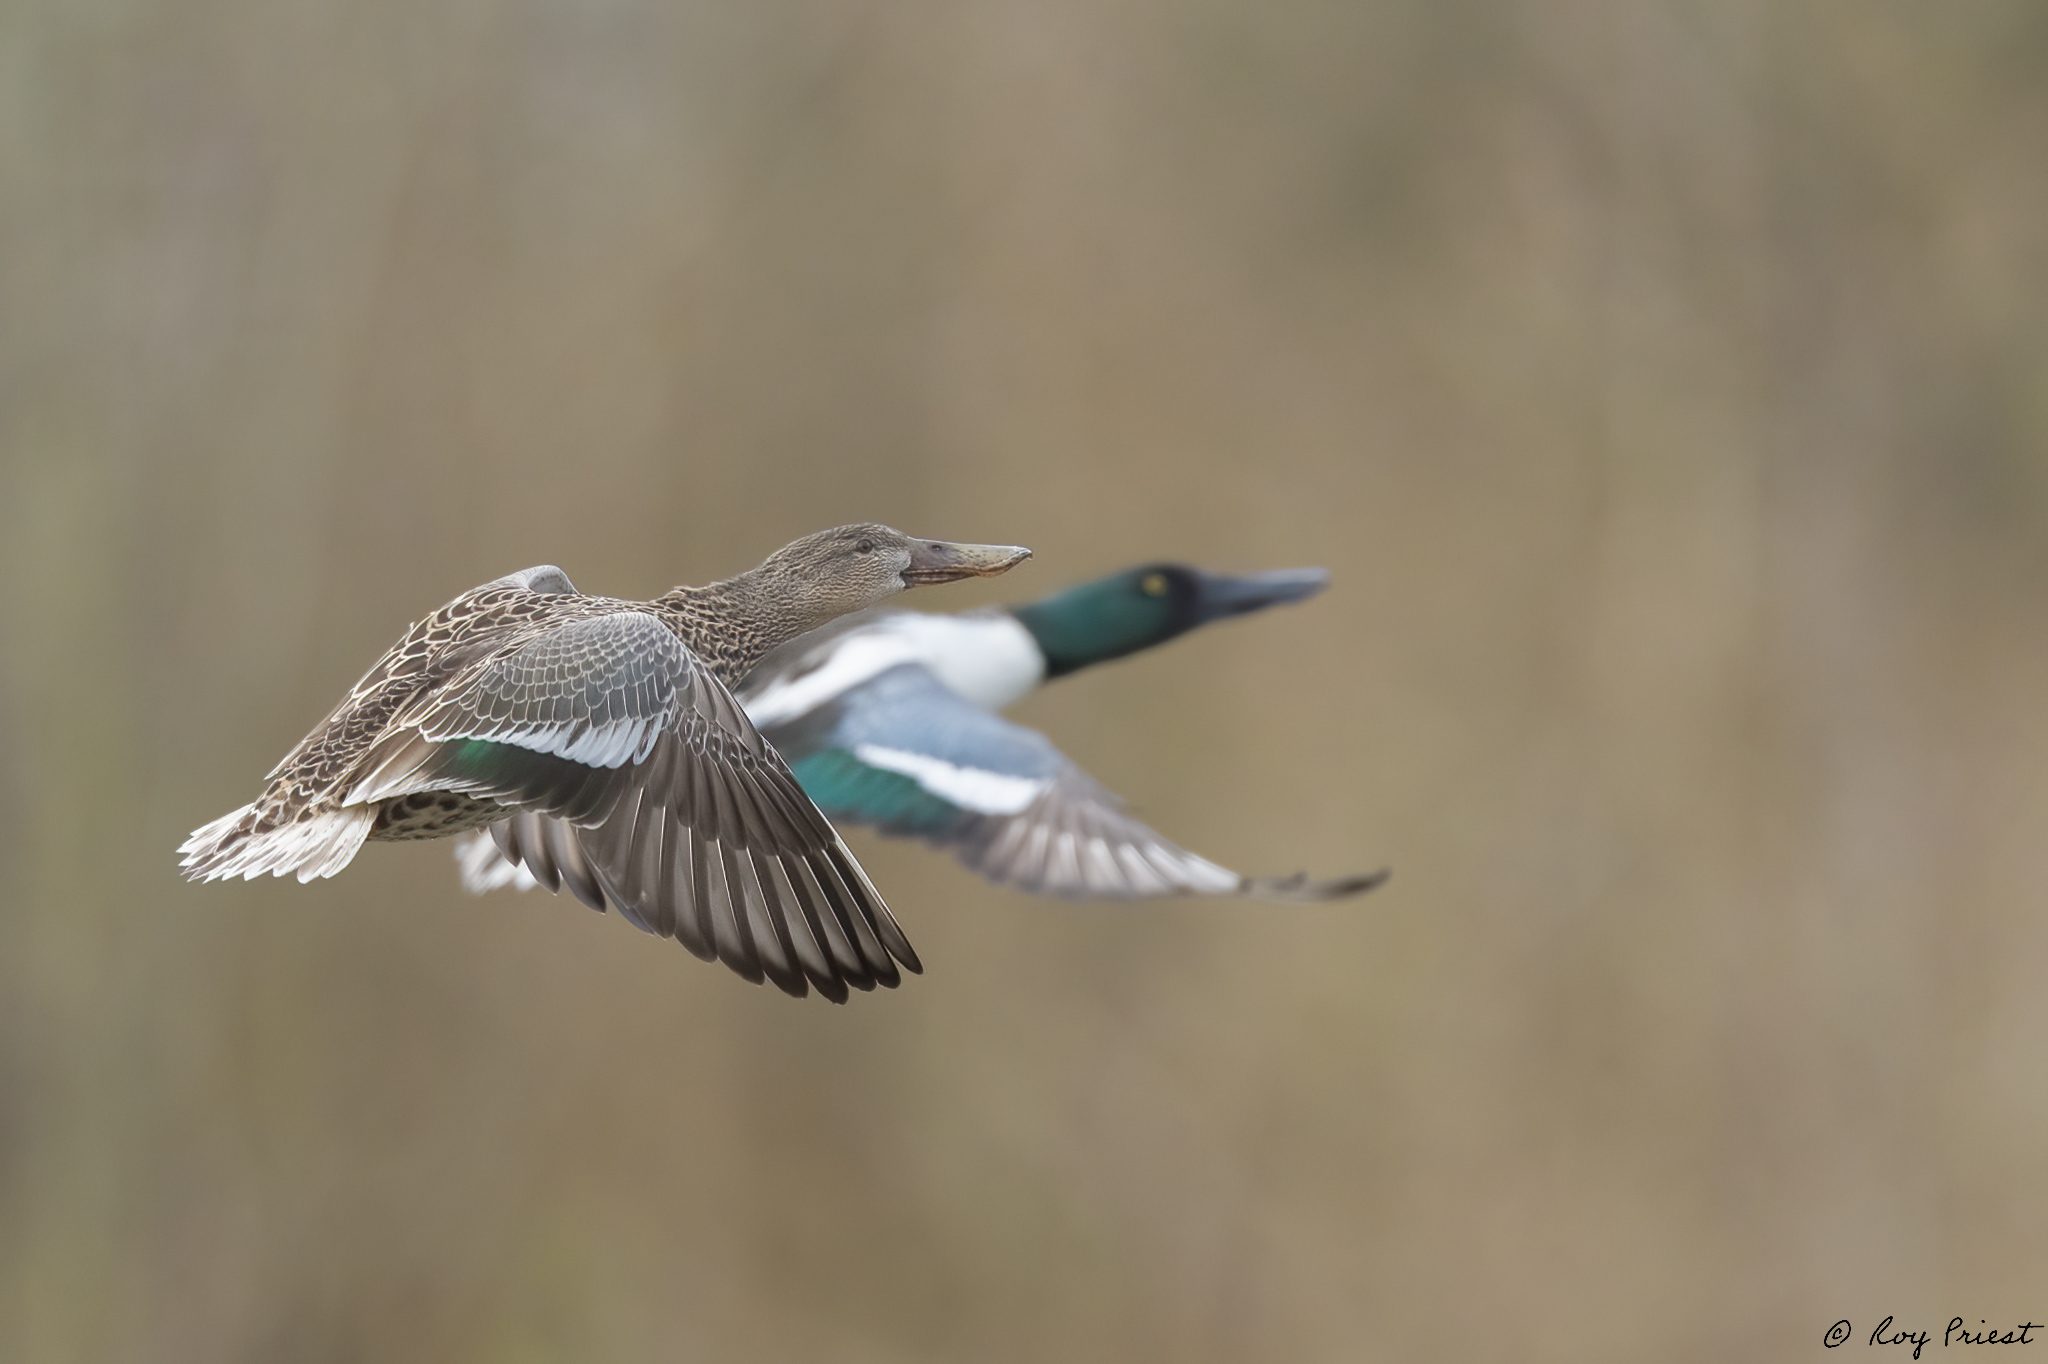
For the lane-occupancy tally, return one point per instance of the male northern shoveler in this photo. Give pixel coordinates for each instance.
(609, 727)
(890, 719)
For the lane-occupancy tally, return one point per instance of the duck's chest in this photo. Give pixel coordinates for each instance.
(989, 659)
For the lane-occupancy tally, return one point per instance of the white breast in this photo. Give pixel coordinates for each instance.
(991, 660)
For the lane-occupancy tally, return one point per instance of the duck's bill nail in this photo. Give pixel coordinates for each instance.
(945, 561)
(1222, 594)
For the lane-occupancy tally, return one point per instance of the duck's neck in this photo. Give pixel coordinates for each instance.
(733, 624)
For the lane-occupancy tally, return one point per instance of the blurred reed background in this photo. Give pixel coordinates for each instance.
(1664, 385)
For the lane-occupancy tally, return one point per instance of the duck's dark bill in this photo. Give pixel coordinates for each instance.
(1218, 595)
(944, 561)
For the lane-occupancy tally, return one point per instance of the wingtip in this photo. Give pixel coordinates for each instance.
(1299, 889)
(1359, 885)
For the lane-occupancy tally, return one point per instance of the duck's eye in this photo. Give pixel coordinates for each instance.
(864, 547)
(1153, 584)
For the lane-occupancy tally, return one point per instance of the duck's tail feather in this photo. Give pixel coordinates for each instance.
(250, 842)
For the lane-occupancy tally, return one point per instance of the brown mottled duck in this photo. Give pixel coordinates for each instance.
(613, 722)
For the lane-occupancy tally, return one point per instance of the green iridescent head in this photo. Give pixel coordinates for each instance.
(1150, 604)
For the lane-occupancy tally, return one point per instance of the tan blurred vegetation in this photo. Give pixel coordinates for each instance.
(1664, 383)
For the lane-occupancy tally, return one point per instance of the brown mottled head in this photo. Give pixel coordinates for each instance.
(824, 576)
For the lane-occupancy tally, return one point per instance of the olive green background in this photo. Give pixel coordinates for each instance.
(1666, 386)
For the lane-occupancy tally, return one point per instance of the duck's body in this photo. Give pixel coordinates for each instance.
(890, 719)
(609, 726)
(324, 791)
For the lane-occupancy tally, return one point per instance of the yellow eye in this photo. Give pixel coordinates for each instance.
(1153, 585)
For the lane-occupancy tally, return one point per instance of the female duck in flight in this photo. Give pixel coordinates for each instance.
(599, 738)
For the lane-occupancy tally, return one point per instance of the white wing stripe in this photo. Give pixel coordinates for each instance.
(984, 792)
(612, 744)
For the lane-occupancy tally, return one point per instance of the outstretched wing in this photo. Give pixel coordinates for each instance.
(640, 785)
(906, 754)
